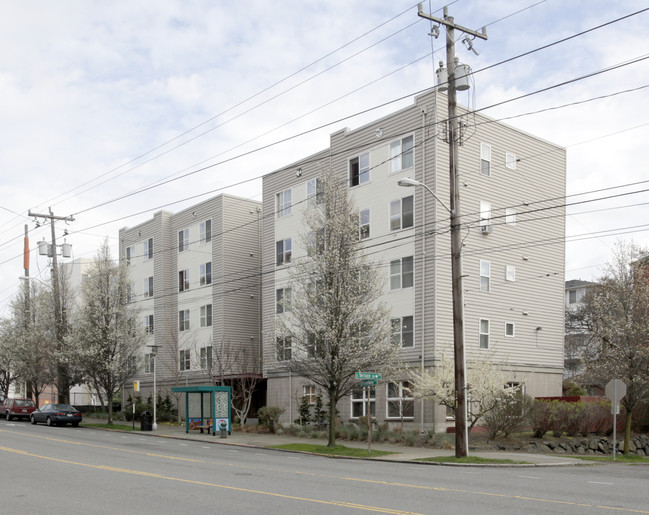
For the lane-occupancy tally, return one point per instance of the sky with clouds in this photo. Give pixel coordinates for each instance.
(106, 107)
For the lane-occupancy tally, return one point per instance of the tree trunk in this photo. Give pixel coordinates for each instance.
(332, 421)
(627, 432)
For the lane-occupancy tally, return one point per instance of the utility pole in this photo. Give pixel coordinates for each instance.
(63, 377)
(461, 428)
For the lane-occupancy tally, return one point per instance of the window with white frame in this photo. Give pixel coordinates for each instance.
(510, 273)
(183, 320)
(313, 193)
(183, 280)
(316, 242)
(183, 240)
(283, 251)
(484, 333)
(310, 393)
(148, 324)
(205, 274)
(184, 360)
(315, 345)
(572, 297)
(147, 248)
(510, 161)
(485, 159)
(403, 331)
(359, 402)
(206, 358)
(206, 315)
(205, 231)
(130, 296)
(284, 348)
(130, 254)
(402, 273)
(401, 154)
(510, 216)
(485, 215)
(364, 224)
(148, 287)
(510, 329)
(402, 213)
(284, 203)
(400, 401)
(485, 276)
(283, 300)
(149, 363)
(359, 170)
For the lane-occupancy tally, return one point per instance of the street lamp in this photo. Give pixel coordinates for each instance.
(461, 428)
(154, 351)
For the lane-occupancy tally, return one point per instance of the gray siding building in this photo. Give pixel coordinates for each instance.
(512, 188)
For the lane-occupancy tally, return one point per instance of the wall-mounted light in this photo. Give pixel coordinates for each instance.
(298, 173)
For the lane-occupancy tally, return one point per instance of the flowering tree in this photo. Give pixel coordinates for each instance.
(335, 323)
(486, 386)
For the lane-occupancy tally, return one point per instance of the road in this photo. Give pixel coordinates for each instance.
(76, 470)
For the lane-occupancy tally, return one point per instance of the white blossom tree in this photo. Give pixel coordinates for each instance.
(335, 324)
(486, 385)
(108, 333)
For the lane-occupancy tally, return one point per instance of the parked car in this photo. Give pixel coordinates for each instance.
(56, 415)
(17, 408)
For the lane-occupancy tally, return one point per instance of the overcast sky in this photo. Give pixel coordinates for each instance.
(101, 99)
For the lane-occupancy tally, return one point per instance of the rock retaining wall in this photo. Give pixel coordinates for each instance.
(639, 446)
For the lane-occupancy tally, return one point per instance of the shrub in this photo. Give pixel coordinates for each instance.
(542, 417)
(269, 417)
(304, 409)
(510, 416)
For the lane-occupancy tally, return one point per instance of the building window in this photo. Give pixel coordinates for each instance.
(510, 216)
(206, 358)
(183, 320)
(130, 295)
(364, 224)
(149, 363)
(284, 206)
(183, 240)
(359, 170)
(205, 231)
(359, 402)
(184, 360)
(400, 402)
(183, 280)
(485, 216)
(283, 300)
(206, 274)
(403, 331)
(147, 249)
(313, 193)
(148, 287)
(284, 348)
(130, 254)
(510, 329)
(148, 324)
(572, 297)
(310, 393)
(401, 154)
(510, 273)
(401, 213)
(510, 161)
(484, 333)
(206, 316)
(485, 159)
(283, 251)
(485, 276)
(401, 273)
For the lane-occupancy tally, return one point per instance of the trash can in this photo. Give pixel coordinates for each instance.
(146, 421)
(223, 426)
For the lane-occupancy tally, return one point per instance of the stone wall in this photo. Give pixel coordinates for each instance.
(639, 446)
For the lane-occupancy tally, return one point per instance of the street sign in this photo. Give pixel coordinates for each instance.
(136, 386)
(615, 390)
(368, 375)
(368, 382)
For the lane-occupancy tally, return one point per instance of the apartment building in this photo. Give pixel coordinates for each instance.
(195, 279)
(512, 185)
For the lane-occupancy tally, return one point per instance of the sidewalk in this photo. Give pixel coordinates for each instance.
(402, 453)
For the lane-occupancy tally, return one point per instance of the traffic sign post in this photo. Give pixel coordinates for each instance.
(615, 390)
(368, 375)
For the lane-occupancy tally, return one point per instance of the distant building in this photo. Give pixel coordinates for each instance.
(513, 279)
(575, 342)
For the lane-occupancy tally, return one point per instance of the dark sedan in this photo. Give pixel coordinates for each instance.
(56, 415)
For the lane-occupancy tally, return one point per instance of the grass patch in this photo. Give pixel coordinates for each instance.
(121, 427)
(472, 459)
(338, 450)
(620, 458)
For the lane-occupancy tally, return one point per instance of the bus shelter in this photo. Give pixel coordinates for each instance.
(206, 407)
